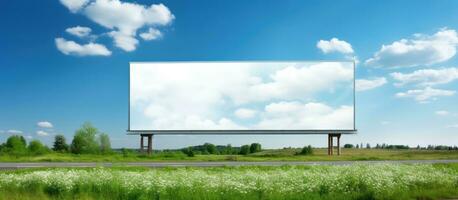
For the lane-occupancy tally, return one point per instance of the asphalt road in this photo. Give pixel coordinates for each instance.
(11, 165)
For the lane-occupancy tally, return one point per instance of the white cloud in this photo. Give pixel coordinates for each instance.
(44, 124)
(452, 126)
(442, 112)
(124, 19)
(426, 77)
(12, 131)
(368, 84)
(79, 31)
(244, 113)
(424, 95)
(72, 48)
(42, 133)
(151, 34)
(421, 50)
(385, 123)
(74, 5)
(28, 137)
(334, 45)
(297, 115)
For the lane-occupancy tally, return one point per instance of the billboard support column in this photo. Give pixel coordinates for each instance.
(331, 143)
(150, 144)
(141, 143)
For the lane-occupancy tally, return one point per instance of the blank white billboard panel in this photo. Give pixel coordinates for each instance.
(241, 96)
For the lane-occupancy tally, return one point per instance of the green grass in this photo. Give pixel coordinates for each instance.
(266, 155)
(380, 181)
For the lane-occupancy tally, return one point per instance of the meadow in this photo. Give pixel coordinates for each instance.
(380, 181)
(287, 154)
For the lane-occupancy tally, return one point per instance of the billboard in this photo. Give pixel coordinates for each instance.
(242, 97)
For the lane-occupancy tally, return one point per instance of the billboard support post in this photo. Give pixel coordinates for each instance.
(331, 143)
(149, 146)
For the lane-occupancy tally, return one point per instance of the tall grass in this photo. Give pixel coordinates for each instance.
(381, 181)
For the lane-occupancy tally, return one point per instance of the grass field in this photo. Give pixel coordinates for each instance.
(381, 181)
(266, 155)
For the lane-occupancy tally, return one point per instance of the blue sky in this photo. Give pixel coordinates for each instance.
(46, 78)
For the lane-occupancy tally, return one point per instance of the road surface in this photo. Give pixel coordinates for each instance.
(11, 165)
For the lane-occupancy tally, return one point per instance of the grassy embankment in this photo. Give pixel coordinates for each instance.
(380, 181)
(265, 155)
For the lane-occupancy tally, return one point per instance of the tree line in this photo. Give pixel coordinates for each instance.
(86, 140)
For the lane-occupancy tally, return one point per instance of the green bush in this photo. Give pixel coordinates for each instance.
(308, 150)
(348, 146)
(245, 149)
(255, 147)
(37, 148)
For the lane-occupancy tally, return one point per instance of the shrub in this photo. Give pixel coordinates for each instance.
(308, 150)
(60, 144)
(255, 147)
(348, 146)
(245, 149)
(84, 140)
(37, 148)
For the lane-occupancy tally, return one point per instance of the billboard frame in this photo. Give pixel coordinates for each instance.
(250, 131)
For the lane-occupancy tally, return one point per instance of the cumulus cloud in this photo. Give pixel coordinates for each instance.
(151, 34)
(297, 115)
(368, 84)
(44, 124)
(68, 47)
(208, 95)
(442, 112)
(425, 95)
(123, 19)
(244, 113)
(420, 50)
(12, 131)
(426, 77)
(334, 45)
(42, 133)
(74, 5)
(79, 31)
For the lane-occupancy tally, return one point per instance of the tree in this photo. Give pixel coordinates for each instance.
(84, 140)
(105, 145)
(348, 146)
(210, 148)
(60, 144)
(245, 149)
(16, 145)
(357, 146)
(188, 151)
(368, 146)
(307, 150)
(37, 148)
(255, 147)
